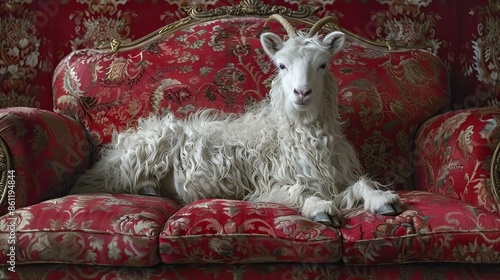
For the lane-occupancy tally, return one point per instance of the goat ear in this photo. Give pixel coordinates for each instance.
(334, 41)
(271, 43)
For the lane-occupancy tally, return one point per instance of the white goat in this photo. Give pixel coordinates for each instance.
(290, 149)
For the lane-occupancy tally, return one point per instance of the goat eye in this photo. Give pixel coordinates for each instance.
(322, 66)
(281, 66)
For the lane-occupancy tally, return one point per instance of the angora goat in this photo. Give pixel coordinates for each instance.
(290, 149)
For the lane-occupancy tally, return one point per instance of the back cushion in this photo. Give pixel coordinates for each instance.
(384, 96)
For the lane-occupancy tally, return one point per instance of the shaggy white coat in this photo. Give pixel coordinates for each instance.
(289, 149)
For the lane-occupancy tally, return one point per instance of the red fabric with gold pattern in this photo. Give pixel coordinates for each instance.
(384, 96)
(47, 151)
(227, 231)
(216, 65)
(432, 228)
(103, 229)
(453, 155)
(268, 271)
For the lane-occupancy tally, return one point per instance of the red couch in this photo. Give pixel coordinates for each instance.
(444, 165)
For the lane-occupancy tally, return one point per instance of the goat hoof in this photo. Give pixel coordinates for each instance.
(397, 209)
(386, 210)
(335, 222)
(323, 218)
(148, 190)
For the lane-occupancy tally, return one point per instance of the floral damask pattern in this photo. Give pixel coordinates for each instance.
(484, 62)
(407, 25)
(381, 120)
(243, 232)
(453, 155)
(101, 30)
(197, 79)
(100, 24)
(422, 233)
(110, 6)
(20, 61)
(47, 151)
(102, 229)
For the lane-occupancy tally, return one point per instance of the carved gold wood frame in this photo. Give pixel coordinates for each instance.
(197, 14)
(5, 166)
(495, 174)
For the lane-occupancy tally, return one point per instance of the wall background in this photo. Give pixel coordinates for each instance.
(36, 34)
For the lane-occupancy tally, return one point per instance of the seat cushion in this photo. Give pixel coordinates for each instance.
(432, 228)
(228, 231)
(99, 229)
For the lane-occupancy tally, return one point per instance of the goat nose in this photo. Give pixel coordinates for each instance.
(302, 91)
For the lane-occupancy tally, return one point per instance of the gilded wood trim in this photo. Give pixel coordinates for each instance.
(495, 174)
(197, 14)
(5, 166)
(250, 7)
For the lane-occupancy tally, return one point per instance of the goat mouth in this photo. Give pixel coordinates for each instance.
(301, 106)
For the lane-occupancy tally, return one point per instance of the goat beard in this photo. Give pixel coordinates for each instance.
(302, 117)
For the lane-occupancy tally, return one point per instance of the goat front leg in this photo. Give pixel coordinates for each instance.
(375, 200)
(297, 197)
(321, 211)
(147, 187)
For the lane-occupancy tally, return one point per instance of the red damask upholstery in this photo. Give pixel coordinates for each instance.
(432, 228)
(439, 166)
(105, 229)
(454, 153)
(218, 230)
(47, 151)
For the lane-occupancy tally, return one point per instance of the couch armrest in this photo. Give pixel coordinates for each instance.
(454, 156)
(41, 154)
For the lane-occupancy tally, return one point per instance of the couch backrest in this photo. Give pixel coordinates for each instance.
(218, 62)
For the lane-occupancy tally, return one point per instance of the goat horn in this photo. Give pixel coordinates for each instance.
(286, 24)
(320, 23)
